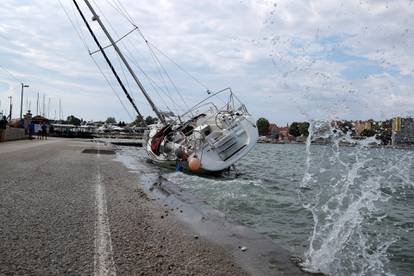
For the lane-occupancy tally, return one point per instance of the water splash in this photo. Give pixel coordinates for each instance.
(347, 192)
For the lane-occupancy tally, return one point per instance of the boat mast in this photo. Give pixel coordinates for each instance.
(109, 62)
(118, 51)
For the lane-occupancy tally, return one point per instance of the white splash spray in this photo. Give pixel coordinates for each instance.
(346, 189)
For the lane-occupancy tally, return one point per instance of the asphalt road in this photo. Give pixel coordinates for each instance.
(63, 211)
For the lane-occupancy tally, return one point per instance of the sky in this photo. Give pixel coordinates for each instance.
(285, 60)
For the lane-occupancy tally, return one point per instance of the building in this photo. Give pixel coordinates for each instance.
(72, 131)
(38, 121)
(284, 134)
(402, 131)
(360, 126)
(273, 131)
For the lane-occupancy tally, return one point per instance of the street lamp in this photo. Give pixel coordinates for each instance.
(21, 100)
(11, 106)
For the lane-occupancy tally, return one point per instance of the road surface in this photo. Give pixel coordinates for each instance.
(64, 211)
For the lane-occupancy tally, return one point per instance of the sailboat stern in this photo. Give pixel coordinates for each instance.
(225, 148)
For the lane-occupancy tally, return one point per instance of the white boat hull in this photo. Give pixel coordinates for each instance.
(219, 150)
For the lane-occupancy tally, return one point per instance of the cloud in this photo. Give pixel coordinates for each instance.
(288, 60)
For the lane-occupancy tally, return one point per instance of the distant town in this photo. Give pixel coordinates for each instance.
(393, 132)
(397, 131)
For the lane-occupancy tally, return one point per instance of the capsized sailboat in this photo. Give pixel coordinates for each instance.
(209, 137)
(212, 139)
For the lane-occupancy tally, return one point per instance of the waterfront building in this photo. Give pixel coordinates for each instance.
(273, 131)
(38, 121)
(402, 131)
(284, 134)
(360, 126)
(72, 131)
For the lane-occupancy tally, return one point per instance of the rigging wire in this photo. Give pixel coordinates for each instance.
(118, 40)
(109, 63)
(10, 74)
(113, 89)
(74, 27)
(81, 37)
(127, 50)
(117, 5)
(156, 88)
(128, 17)
(108, 23)
(131, 58)
(123, 12)
(162, 78)
(119, 10)
(78, 24)
(125, 77)
(121, 42)
(154, 85)
(180, 67)
(2, 67)
(168, 76)
(158, 62)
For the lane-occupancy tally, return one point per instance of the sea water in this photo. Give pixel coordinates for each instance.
(343, 210)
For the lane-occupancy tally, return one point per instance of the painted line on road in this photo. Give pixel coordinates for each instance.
(103, 260)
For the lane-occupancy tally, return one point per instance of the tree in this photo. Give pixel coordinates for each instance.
(139, 122)
(263, 126)
(368, 132)
(110, 120)
(294, 129)
(150, 120)
(73, 120)
(384, 132)
(346, 127)
(303, 128)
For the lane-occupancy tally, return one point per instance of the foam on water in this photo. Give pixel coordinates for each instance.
(229, 194)
(347, 191)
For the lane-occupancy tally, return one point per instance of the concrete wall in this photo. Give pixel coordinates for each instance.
(11, 133)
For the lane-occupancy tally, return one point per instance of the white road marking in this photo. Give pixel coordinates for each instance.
(103, 260)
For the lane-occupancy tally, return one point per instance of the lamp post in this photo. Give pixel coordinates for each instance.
(21, 100)
(11, 106)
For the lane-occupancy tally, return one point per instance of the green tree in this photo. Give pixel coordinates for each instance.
(139, 122)
(294, 129)
(73, 120)
(110, 120)
(263, 126)
(384, 132)
(303, 128)
(368, 132)
(150, 120)
(346, 126)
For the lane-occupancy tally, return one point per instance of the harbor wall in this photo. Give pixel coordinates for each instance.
(11, 133)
